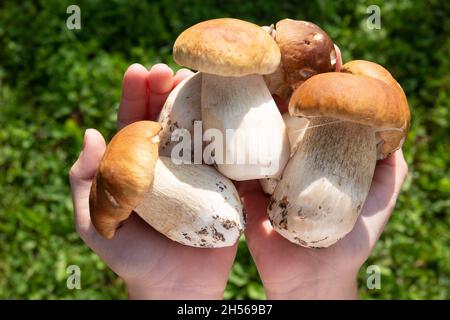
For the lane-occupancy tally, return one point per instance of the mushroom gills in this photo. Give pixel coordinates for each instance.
(325, 183)
(255, 144)
(193, 205)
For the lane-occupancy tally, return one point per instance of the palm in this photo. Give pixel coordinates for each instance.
(139, 252)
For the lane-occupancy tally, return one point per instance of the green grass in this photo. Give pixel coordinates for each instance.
(55, 83)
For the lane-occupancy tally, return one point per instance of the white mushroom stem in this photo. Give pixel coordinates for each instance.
(193, 205)
(325, 184)
(254, 142)
(296, 128)
(181, 110)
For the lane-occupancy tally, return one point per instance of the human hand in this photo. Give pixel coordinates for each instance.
(289, 271)
(152, 266)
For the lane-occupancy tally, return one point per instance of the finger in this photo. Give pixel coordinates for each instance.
(388, 179)
(181, 75)
(133, 105)
(82, 173)
(244, 187)
(259, 233)
(160, 80)
(255, 204)
(258, 230)
(260, 236)
(338, 58)
(86, 165)
(390, 174)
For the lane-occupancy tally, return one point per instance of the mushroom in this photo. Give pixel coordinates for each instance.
(305, 49)
(233, 55)
(180, 111)
(191, 204)
(354, 118)
(295, 128)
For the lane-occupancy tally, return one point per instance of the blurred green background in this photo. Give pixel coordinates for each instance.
(55, 83)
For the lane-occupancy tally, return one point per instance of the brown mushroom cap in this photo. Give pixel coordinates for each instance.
(305, 48)
(124, 175)
(367, 68)
(227, 47)
(357, 98)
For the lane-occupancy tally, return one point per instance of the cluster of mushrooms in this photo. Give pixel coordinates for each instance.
(341, 120)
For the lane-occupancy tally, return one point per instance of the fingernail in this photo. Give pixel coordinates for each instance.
(160, 65)
(183, 70)
(137, 67)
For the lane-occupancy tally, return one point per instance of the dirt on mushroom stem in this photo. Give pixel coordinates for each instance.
(325, 184)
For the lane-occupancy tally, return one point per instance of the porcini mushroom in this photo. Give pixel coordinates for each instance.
(180, 111)
(191, 204)
(354, 119)
(233, 55)
(306, 50)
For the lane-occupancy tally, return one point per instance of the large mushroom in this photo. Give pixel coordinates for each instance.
(191, 204)
(233, 55)
(306, 50)
(355, 118)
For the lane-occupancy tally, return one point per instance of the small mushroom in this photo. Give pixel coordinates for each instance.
(354, 117)
(306, 50)
(191, 204)
(233, 55)
(180, 111)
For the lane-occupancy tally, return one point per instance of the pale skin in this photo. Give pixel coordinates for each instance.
(154, 267)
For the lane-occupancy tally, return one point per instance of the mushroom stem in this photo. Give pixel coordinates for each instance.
(255, 143)
(325, 184)
(193, 205)
(180, 111)
(295, 127)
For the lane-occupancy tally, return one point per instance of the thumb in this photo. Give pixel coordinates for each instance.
(81, 175)
(87, 163)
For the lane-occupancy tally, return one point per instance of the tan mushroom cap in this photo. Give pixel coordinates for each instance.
(124, 175)
(227, 47)
(305, 48)
(374, 70)
(357, 98)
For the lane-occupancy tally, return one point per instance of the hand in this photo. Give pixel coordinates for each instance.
(151, 265)
(289, 271)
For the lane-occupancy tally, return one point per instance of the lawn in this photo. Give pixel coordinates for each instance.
(56, 82)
